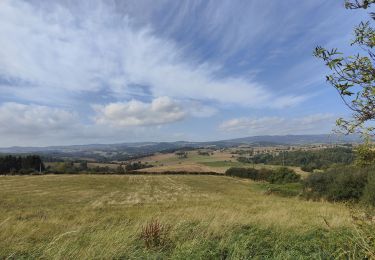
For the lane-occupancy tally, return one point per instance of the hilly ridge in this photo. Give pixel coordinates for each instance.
(144, 148)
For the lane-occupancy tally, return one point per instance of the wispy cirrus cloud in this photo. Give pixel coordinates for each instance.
(310, 124)
(118, 70)
(55, 49)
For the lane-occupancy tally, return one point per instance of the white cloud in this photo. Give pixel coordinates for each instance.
(54, 49)
(311, 124)
(160, 111)
(74, 54)
(197, 109)
(33, 120)
(36, 125)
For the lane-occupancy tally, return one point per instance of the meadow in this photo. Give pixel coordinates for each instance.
(217, 161)
(197, 217)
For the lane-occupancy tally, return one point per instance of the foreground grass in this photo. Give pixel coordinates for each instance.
(93, 216)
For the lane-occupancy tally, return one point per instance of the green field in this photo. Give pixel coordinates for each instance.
(206, 217)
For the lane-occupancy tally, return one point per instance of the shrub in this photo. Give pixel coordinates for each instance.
(237, 172)
(365, 155)
(26, 171)
(263, 174)
(284, 175)
(316, 184)
(347, 186)
(369, 191)
(310, 167)
(249, 173)
(136, 166)
(339, 184)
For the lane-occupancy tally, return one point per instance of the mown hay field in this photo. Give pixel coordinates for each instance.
(218, 161)
(206, 217)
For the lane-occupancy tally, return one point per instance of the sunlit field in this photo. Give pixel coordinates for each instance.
(99, 216)
(143, 129)
(218, 161)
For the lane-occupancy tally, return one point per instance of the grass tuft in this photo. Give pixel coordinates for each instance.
(154, 234)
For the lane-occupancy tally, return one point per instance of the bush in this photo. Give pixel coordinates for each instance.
(347, 186)
(369, 191)
(310, 167)
(284, 175)
(316, 184)
(281, 175)
(249, 173)
(136, 166)
(340, 184)
(263, 174)
(26, 171)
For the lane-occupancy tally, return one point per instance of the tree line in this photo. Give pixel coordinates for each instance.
(10, 164)
(281, 175)
(70, 167)
(307, 160)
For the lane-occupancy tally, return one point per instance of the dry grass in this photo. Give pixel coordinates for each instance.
(158, 157)
(184, 166)
(109, 165)
(155, 234)
(218, 162)
(89, 164)
(98, 216)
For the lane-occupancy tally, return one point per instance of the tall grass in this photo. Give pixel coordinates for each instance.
(154, 234)
(176, 217)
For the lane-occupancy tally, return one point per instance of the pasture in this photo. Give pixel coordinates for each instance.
(218, 161)
(207, 217)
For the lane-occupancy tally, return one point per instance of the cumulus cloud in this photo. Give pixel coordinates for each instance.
(160, 111)
(311, 124)
(55, 52)
(36, 125)
(32, 124)
(33, 120)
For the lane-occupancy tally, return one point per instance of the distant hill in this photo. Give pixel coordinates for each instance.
(123, 151)
(298, 139)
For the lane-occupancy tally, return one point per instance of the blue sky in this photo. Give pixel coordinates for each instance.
(78, 72)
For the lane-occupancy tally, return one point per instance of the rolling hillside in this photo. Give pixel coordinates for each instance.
(200, 217)
(126, 151)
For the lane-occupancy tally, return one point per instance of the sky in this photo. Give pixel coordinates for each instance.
(82, 72)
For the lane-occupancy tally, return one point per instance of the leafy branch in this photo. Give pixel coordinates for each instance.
(354, 76)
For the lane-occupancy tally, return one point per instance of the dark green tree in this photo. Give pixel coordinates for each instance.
(83, 166)
(182, 154)
(120, 169)
(21, 165)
